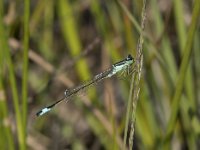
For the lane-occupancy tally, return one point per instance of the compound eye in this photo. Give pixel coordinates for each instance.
(129, 57)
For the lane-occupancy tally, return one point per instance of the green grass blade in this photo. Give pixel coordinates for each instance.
(181, 31)
(46, 42)
(6, 137)
(71, 36)
(25, 65)
(180, 25)
(133, 20)
(12, 79)
(182, 72)
(189, 86)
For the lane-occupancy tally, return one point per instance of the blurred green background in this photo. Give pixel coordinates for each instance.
(47, 46)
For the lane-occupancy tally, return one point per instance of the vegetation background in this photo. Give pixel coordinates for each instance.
(47, 46)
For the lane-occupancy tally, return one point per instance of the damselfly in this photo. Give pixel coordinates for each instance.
(123, 65)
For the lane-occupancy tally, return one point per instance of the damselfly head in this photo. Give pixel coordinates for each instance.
(129, 57)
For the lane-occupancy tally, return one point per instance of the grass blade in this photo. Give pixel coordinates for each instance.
(182, 72)
(25, 65)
